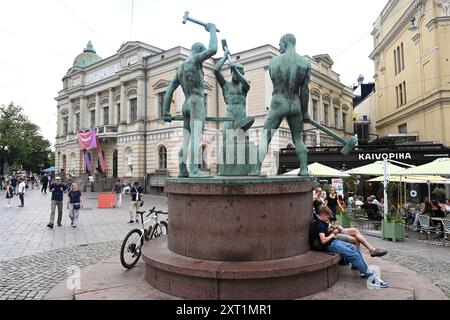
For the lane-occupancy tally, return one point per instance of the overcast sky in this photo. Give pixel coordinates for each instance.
(40, 39)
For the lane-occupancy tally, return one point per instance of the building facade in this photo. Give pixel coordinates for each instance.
(121, 96)
(412, 70)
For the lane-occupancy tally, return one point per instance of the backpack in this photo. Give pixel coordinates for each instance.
(314, 240)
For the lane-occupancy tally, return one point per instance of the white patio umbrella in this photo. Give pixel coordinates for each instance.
(439, 166)
(320, 170)
(376, 169)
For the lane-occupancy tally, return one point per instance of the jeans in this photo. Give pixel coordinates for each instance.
(22, 201)
(55, 204)
(351, 254)
(74, 215)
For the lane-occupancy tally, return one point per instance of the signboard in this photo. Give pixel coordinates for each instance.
(338, 185)
(103, 73)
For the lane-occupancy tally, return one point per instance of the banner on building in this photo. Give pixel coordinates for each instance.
(87, 140)
(101, 160)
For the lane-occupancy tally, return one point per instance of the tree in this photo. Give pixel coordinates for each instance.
(21, 144)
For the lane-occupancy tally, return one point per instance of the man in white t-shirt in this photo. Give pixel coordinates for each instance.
(22, 187)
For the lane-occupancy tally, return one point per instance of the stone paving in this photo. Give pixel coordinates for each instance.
(23, 231)
(31, 277)
(430, 261)
(34, 258)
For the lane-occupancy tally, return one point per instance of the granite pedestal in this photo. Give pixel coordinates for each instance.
(238, 238)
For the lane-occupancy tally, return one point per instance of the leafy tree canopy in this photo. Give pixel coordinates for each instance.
(21, 143)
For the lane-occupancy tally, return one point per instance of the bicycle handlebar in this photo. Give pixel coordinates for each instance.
(156, 212)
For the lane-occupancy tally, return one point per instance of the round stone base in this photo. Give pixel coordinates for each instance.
(191, 278)
(239, 218)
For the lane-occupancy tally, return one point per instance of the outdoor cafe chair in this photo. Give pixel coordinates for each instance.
(425, 227)
(446, 231)
(360, 216)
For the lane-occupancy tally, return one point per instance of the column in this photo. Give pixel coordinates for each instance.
(140, 98)
(98, 113)
(310, 106)
(58, 123)
(71, 119)
(111, 106)
(83, 113)
(320, 110)
(331, 113)
(123, 100)
(341, 122)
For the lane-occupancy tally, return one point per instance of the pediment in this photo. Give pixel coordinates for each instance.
(72, 71)
(127, 46)
(161, 84)
(324, 57)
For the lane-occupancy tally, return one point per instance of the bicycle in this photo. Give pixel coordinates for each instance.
(134, 240)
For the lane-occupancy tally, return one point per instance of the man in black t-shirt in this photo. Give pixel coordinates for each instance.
(348, 251)
(44, 181)
(57, 189)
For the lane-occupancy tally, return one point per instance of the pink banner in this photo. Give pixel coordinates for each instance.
(100, 157)
(88, 162)
(87, 140)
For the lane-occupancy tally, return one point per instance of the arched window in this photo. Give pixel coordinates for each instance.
(162, 158)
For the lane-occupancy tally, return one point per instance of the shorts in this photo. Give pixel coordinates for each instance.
(342, 237)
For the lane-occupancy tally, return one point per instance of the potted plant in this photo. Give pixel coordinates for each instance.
(393, 227)
(343, 218)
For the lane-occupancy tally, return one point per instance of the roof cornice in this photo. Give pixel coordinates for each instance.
(406, 17)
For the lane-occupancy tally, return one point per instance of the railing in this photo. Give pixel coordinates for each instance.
(106, 129)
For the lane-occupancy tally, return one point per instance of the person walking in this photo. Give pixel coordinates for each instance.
(22, 187)
(57, 189)
(44, 181)
(9, 193)
(117, 190)
(136, 198)
(74, 204)
(14, 183)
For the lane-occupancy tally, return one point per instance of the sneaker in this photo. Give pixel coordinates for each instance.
(137, 221)
(59, 224)
(378, 283)
(74, 226)
(378, 253)
(131, 221)
(50, 225)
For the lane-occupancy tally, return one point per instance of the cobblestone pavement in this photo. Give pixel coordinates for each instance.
(23, 231)
(430, 261)
(31, 277)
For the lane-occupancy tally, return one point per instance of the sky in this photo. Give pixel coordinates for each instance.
(40, 39)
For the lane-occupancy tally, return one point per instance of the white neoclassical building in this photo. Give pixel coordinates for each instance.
(121, 96)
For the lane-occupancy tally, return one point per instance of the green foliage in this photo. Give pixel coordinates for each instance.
(344, 213)
(21, 144)
(440, 193)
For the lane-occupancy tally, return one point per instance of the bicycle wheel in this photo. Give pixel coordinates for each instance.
(130, 252)
(159, 230)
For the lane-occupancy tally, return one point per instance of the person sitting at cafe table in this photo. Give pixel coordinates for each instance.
(437, 210)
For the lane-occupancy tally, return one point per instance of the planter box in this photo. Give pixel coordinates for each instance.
(393, 230)
(344, 221)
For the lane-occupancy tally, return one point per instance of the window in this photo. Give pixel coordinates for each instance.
(403, 128)
(206, 104)
(106, 116)
(77, 122)
(362, 130)
(398, 60)
(65, 125)
(395, 61)
(344, 121)
(162, 158)
(92, 118)
(315, 102)
(133, 110)
(325, 111)
(118, 113)
(336, 118)
(402, 57)
(400, 92)
(404, 92)
(161, 104)
(396, 95)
